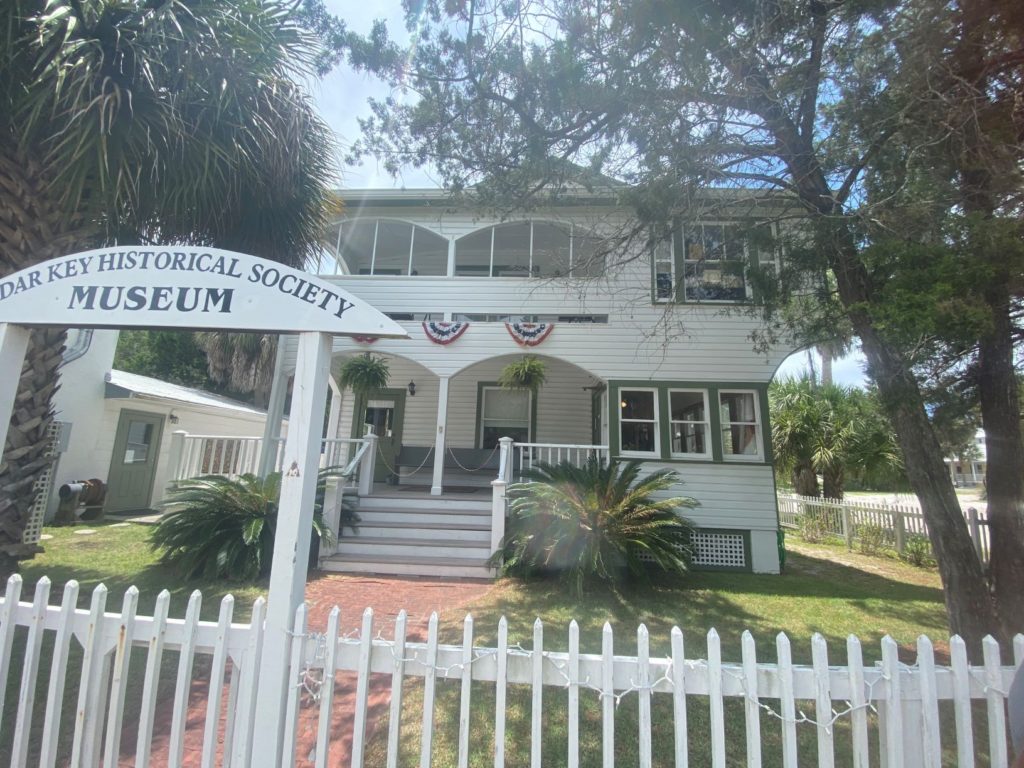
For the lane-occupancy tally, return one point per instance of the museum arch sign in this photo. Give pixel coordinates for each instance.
(195, 288)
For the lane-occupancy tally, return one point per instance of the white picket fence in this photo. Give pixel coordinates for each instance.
(911, 712)
(842, 518)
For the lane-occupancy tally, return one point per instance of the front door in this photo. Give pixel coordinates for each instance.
(133, 465)
(382, 412)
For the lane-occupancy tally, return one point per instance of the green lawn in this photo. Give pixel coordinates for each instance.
(118, 555)
(825, 589)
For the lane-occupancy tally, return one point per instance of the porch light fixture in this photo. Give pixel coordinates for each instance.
(412, 388)
(173, 417)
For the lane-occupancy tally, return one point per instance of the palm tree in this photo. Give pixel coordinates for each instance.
(828, 430)
(597, 523)
(178, 121)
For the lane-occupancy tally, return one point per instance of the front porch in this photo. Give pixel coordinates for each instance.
(428, 459)
(405, 528)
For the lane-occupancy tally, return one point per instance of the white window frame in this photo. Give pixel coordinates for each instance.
(759, 457)
(530, 271)
(671, 261)
(483, 409)
(656, 453)
(708, 435)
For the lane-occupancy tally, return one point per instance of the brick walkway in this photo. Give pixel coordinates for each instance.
(387, 596)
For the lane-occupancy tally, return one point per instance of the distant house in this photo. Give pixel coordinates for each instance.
(646, 359)
(969, 469)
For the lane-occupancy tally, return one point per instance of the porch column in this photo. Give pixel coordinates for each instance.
(291, 546)
(439, 442)
(275, 413)
(13, 345)
(334, 418)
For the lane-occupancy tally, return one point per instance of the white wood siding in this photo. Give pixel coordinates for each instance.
(730, 495)
(718, 351)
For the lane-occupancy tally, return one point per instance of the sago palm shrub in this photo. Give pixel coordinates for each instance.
(596, 523)
(219, 527)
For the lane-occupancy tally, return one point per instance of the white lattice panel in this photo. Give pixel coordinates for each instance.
(719, 550)
(42, 486)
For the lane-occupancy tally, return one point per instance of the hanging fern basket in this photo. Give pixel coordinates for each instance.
(364, 373)
(528, 372)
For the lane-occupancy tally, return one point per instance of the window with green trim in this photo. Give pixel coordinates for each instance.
(504, 413)
(711, 262)
(740, 414)
(638, 422)
(689, 422)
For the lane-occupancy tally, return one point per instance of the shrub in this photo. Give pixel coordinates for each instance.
(599, 522)
(917, 551)
(871, 538)
(218, 527)
(814, 525)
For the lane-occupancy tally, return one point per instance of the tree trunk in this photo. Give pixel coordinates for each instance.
(833, 479)
(805, 481)
(33, 228)
(1000, 412)
(826, 365)
(969, 605)
(968, 602)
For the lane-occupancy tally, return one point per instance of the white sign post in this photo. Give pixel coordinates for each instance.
(210, 289)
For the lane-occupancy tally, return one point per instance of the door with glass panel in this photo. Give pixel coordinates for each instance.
(133, 464)
(383, 412)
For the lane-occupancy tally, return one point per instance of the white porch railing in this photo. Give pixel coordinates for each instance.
(515, 457)
(231, 456)
(843, 518)
(528, 454)
(908, 713)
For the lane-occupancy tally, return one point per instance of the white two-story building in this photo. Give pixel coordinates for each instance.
(646, 358)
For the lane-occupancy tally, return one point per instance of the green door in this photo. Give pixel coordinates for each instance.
(382, 412)
(133, 465)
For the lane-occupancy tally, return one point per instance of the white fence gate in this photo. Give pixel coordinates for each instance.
(843, 517)
(888, 713)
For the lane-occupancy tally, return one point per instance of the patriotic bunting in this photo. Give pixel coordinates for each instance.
(529, 334)
(444, 333)
(365, 339)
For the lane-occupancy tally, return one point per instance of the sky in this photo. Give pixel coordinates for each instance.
(342, 96)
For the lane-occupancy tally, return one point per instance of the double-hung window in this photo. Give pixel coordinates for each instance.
(504, 413)
(638, 422)
(740, 416)
(691, 430)
(664, 272)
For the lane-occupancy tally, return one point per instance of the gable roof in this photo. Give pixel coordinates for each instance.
(121, 384)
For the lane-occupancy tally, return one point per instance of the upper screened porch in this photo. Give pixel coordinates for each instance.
(391, 247)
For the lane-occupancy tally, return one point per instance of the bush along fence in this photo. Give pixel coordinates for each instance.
(876, 525)
(71, 672)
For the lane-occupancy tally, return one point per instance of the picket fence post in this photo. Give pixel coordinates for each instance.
(847, 528)
(901, 530)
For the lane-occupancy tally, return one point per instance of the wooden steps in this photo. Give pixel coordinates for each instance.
(410, 534)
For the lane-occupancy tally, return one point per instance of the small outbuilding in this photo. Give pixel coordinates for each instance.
(118, 426)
